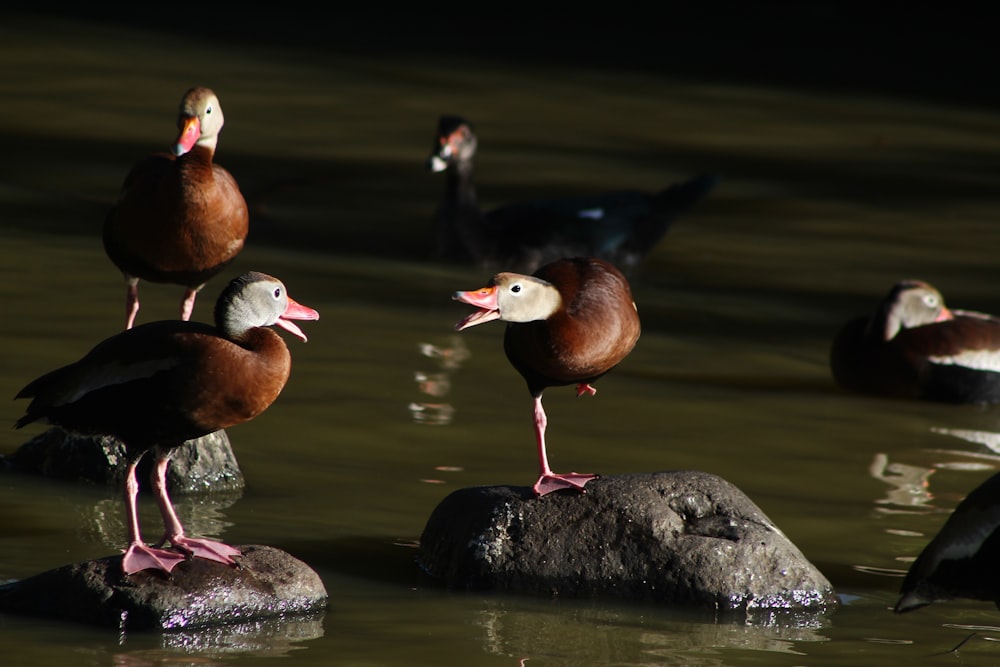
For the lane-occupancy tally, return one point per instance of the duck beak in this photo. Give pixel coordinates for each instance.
(485, 299)
(190, 131)
(945, 315)
(296, 311)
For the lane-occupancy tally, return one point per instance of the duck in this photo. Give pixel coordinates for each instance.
(621, 227)
(180, 217)
(158, 384)
(569, 323)
(914, 346)
(960, 561)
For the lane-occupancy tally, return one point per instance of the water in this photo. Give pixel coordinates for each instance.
(827, 200)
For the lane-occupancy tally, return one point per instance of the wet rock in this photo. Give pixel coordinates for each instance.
(685, 538)
(197, 466)
(268, 583)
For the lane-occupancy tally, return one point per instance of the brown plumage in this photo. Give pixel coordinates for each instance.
(569, 323)
(180, 217)
(158, 384)
(914, 346)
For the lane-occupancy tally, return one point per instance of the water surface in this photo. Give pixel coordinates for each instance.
(827, 200)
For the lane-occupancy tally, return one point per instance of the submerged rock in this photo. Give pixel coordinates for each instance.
(686, 538)
(267, 583)
(203, 464)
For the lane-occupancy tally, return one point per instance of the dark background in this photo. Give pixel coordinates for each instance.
(929, 51)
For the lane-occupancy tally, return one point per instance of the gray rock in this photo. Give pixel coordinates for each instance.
(268, 583)
(685, 538)
(204, 464)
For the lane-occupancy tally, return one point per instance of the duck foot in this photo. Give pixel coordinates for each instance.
(549, 482)
(207, 549)
(139, 557)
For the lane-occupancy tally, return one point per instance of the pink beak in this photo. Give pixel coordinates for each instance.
(190, 132)
(296, 311)
(485, 299)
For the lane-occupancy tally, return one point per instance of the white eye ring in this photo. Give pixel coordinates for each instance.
(931, 300)
(515, 288)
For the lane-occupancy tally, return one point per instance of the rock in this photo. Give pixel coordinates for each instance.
(686, 538)
(197, 466)
(268, 583)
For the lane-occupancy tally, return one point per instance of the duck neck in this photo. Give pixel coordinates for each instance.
(461, 230)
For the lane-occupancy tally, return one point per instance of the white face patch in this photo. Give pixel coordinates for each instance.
(110, 375)
(980, 360)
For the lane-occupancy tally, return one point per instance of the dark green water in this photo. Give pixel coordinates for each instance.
(828, 199)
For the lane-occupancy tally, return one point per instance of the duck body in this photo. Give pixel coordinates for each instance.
(158, 384)
(913, 346)
(569, 323)
(594, 330)
(180, 218)
(621, 227)
(960, 562)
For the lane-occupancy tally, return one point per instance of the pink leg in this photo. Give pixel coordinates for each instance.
(131, 302)
(584, 388)
(173, 531)
(187, 304)
(138, 556)
(549, 481)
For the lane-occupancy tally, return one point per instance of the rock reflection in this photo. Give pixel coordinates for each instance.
(208, 647)
(436, 384)
(644, 636)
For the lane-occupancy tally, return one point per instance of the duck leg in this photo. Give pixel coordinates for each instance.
(187, 303)
(174, 531)
(131, 300)
(138, 556)
(549, 481)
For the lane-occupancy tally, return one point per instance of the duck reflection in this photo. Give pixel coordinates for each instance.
(435, 385)
(909, 485)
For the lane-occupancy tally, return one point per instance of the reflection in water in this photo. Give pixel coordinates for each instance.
(274, 637)
(909, 484)
(436, 385)
(609, 636)
(989, 439)
(202, 516)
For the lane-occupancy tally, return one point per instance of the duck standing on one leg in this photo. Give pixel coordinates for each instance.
(180, 218)
(569, 323)
(159, 384)
(914, 346)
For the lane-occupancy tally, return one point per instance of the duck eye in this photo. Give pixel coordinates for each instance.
(208, 110)
(931, 301)
(515, 288)
(277, 292)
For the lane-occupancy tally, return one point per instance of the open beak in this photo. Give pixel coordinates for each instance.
(485, 299)
(296, 311)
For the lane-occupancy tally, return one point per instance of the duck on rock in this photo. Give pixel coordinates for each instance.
(620, 227)
(180, 218)
(159, 384)
(914, 346)
(568, 324)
